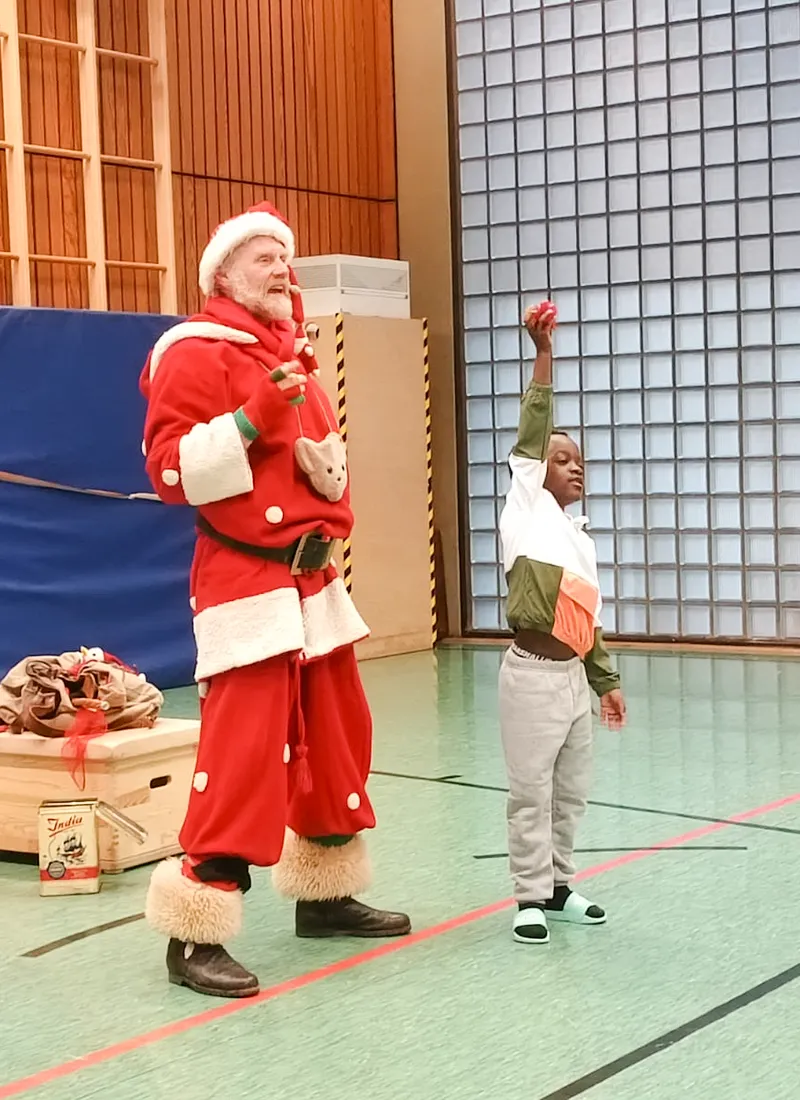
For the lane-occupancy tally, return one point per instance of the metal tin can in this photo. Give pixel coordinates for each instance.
(69, 857)
(69, 850)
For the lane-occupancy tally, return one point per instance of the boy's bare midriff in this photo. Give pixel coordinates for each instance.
(543, 645)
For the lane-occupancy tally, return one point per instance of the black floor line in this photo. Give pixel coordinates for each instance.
(456, 781)
(670, 1038)
(654, 848)
(697, 817)
(450, 782)
(65, 941)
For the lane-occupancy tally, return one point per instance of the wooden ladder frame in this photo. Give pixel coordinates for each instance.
(15, 148)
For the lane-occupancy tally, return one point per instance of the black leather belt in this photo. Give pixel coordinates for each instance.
(308, 554)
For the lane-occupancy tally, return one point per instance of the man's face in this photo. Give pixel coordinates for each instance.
(564, 470)
(256, 275)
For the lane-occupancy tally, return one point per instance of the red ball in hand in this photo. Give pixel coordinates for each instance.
(545, 311)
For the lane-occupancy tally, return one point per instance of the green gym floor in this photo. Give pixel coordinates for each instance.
(691, 843)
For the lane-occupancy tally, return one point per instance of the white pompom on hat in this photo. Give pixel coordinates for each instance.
(262, 220)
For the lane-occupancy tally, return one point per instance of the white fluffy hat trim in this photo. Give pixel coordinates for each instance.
(235, 231)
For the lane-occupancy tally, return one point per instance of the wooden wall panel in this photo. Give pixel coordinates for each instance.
(126, 130)
(297, 107)
(286, 100)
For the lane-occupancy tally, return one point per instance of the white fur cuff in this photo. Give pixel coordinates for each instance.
(214, 462)
(314, 872)
(191, 911)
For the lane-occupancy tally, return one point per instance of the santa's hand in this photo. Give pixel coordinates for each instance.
(273, 396)
(291, 382)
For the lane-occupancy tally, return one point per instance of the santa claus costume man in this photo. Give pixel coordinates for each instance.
(239, 428)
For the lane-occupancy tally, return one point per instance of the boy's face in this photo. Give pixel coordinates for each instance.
(564, 470)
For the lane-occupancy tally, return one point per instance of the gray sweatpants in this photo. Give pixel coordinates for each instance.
(546, 728)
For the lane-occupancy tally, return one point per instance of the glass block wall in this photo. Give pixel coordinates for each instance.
(639, 161)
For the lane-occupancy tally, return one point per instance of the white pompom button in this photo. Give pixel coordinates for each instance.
(144, 448)
(353, 801)
(200, 781)
(274, 514)
(193, 603)
(287, 754)
(170, 477)
(202, 689)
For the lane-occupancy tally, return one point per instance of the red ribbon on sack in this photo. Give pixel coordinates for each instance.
(90, 722)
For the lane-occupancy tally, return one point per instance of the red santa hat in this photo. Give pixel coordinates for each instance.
(262, 220)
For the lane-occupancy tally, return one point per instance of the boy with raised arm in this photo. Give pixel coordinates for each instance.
(558, 653)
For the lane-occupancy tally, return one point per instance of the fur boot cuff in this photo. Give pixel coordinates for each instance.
(191, 911)
(314, 872)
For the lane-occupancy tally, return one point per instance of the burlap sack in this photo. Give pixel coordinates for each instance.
(46, 694)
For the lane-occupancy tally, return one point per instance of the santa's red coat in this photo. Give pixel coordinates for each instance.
(246, 609)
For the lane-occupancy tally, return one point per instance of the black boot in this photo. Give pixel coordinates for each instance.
(347, 917)
(209, 969)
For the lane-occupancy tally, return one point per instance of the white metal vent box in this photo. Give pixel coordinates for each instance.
(359, 285)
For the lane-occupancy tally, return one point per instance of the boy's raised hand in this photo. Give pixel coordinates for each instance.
(540, 321)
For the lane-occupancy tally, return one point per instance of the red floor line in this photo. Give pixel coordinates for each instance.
(228, 1008)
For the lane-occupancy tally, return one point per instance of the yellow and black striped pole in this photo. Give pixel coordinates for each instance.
(429, 469)
(341, 408)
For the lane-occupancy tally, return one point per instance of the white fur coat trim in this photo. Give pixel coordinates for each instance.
(330, 620)
(213, 462)
(198, 330)
(246, 631)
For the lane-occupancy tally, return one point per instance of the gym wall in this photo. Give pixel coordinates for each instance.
(638, 161)
(291, 102)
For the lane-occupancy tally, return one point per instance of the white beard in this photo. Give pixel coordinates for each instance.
(260, 302)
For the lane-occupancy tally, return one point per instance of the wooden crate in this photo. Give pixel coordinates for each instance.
(146, 773)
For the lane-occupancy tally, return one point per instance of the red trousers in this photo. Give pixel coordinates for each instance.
(249, 783)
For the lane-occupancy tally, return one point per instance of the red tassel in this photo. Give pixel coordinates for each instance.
(302, 771)
(89, 722)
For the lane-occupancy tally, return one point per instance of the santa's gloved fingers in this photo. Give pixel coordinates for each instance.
(293, 380)
(293, 388)
(273, 396)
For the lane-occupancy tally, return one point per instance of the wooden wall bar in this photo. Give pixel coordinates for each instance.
(288, 100)
(51, 117)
